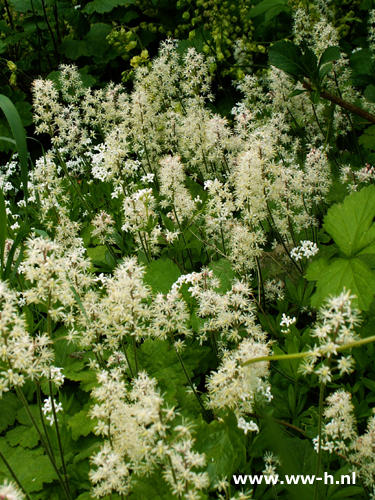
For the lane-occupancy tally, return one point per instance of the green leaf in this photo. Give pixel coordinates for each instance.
(19, 134)
(91, 445)
(297, 92)
(26, 436)
(350, 223)
(153, 487)
(87, 79)
(9, 405)
(86, 377)
(268, 6)
(19, 238)
(286, 56)
(103, 6)
(160, 360)
(22, 6)
(32, 468)
(310, 64)
(95, 45)
(352, 274)
(81, 424)
(330, 54)
(79, 476)
(275, 11)
(361, 62)
(224, 445)
(223, 270)
(161, 274)
(370, 93)
(324, 70)
(97, 253)
(315, 97)
(370, 384)
(367, 139)
(336, 490)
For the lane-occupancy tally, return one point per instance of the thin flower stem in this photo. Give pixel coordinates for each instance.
(49, 330)
(274, 492)
(51, 32)
(297, 355)
(58, 435)
(172, 469)
(261, 297)
(190, 381)
(342, 103)
(127, 358)
(321, 401)
(44, 444)
(135, 356)
(183, 237)
(14, 476)
(278, 421)
(39, 400)
(282, 240)
(81, 197)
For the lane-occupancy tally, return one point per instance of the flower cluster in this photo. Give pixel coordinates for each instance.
(271, 462)
(340, 427)
(54, 374)
(119, 313)
(335, 328)
(50, 408)
(355, 177)
(10, 491)
(340, 436)
(163, 132)
(23, 356)
(103, 227)
(142, 433)
(287, 321)
(308, 249)
(236, 386)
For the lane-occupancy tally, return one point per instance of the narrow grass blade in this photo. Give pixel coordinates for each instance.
(19, 239)
(19, 135)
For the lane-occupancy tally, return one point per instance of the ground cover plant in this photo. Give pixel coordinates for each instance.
(188, 295)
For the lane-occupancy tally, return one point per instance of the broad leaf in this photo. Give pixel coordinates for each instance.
(370, 93)
(81, 424)
(367, 139)
(9, 405)
(266, 6)
(31, 466)
(350, 223)
(102, 6)
(223, 270)
(160, 360)
(286, 56)
(87, 378)
(361, 61)
(24, 435)
(153, 487)
(330, 54)
(353, 274)
(224, 445)
(310, 64)
(161, 274)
